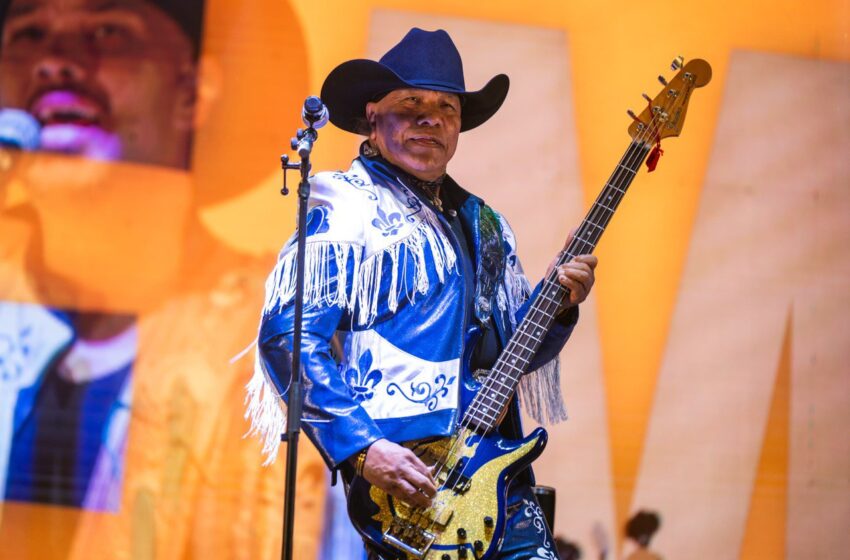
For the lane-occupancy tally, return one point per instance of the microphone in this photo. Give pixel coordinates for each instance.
(19, 130)
(314, 114)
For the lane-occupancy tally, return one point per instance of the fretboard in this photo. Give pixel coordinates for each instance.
(498, 388)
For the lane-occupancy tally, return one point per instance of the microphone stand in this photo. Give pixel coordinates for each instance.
(303, 144)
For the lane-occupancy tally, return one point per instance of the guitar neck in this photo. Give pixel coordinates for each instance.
(496, 392)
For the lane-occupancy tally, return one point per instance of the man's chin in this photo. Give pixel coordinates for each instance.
(84, 140)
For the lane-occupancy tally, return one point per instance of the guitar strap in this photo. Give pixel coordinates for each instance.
(490, 260)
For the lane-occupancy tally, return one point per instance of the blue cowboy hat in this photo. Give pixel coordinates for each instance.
(421, 60)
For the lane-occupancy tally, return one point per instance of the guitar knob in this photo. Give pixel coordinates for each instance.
(488, 522)
(461, 533)
(662, 80)
(677, 63)
(461, 553)
(478, 546)
(445, 557)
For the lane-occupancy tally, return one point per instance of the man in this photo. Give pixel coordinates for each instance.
(401, 262)
(110, 80)
(115, 378)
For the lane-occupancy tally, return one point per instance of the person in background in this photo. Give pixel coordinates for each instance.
(640, 528)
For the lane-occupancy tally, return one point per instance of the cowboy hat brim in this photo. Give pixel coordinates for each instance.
(353, 84)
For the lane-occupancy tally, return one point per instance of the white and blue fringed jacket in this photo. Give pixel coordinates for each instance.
(388, 276)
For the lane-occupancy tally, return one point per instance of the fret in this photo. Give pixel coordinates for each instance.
(536, 337)
(600, 228)
(586, 242)
(545, 296)
(530, 349)
(479, 404)
(503, 385)
(533, 323)
(488, 419)
(508, 364)
(608, 209)
(630, 170)
(612, 187)
(509, 355)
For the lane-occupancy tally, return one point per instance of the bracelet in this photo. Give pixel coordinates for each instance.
(360, 461)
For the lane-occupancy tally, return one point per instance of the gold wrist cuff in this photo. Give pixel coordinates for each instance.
(360, 461)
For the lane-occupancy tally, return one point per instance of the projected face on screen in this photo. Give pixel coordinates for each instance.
(107, 79)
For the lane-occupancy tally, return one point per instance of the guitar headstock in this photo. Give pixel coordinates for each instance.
(665, 114)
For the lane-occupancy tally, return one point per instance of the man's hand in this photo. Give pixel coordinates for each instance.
(399, 472)
(576, 275)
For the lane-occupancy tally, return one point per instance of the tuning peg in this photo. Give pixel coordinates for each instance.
(662, 80)
(677, 63)
(647, 98)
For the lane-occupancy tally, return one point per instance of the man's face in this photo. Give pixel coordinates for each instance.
(416, 129)
(110, 79)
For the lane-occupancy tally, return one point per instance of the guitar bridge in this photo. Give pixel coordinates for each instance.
(409, 538)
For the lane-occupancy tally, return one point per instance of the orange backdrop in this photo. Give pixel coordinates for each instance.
(709, 370)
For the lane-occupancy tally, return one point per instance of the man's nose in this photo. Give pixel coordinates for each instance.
(430, 115)
(64, 59)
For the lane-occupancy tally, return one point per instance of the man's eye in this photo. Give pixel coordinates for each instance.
(106, 30)
(108, 33)
(28, 34)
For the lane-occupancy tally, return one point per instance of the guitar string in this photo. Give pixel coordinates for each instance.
(651, 129)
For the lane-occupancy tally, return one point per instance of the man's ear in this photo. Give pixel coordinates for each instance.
(199, 88)
(371, 116)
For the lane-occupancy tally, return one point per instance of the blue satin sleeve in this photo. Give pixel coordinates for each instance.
(336, 424)
(557, 336)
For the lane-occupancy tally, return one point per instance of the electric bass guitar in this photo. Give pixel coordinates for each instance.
(474, 466)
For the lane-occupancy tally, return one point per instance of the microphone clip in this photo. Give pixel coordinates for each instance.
(302, 143)
(314, 115)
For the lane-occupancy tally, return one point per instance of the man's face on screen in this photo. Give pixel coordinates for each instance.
(109, 79)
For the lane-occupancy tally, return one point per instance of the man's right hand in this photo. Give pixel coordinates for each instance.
(399, 472)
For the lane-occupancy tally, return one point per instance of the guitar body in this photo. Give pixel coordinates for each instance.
(467, 516)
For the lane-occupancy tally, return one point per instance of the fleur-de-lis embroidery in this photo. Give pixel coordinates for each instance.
(361, 381)
(13, 354)
(388, 224)
(356, 182)
(317, 220)
(424, 392)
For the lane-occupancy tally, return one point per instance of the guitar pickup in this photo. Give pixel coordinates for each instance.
(454, 479)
